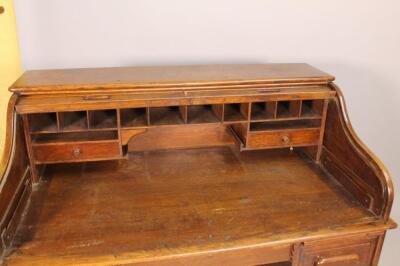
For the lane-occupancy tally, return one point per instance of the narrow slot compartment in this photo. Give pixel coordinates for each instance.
(263, 110)
(288, 109)
(38, 139)
(42, 122)
(198, 114)
(290, 124)
(133, 117)
(312, 108)
(169, 115)
(236, 112)
(73, 120)
(103, 119)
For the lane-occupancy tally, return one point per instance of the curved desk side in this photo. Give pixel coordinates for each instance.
(352, 163)
(15, 181)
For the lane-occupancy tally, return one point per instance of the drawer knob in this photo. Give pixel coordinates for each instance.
(285, 139)
(76, 152)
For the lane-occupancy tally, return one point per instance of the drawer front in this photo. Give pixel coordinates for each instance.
(339, 253)
(71, 152)
(283, 138)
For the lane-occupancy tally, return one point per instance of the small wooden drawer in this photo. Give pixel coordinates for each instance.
(283, 138)
(76, 151)
(339, 253)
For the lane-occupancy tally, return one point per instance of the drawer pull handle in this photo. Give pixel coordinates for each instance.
(285, 139)
(94, 97)
(76, 152)
(350, 258)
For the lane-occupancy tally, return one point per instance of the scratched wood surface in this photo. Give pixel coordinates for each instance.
(145, 206)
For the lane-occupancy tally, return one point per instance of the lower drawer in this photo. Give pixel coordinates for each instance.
(344, 252)
(283, 138)
(75, 152)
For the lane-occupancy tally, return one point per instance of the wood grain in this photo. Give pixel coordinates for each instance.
(132, 78)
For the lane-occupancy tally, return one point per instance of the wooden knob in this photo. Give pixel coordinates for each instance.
(76, 152)
(2, 9)
(285, 139)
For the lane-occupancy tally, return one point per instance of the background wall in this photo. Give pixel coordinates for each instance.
(357, 41)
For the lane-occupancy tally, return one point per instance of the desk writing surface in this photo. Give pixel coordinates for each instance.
(172, 202)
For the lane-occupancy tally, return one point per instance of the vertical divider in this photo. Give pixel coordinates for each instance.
(148, 116)
(318, 106)
(28, 143)
(183, 109)
(87, 119)
(218, 111)
(247, 125)
(301, 108)
(294, 108)
(119, 131)
(322, 130)
(274, 109)
(59, 118)
(245, 110)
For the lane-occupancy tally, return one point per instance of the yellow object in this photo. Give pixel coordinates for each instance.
(10, 66)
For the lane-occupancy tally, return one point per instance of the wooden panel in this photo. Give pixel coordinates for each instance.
(169, 137)
(81, 80)
(283, 138)
(70, 152)
(127, 134)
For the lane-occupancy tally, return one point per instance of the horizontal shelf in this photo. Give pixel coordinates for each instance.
(287, 124)
(38, 139)
(287, 119)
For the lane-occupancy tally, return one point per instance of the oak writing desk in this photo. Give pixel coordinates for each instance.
(189, 165)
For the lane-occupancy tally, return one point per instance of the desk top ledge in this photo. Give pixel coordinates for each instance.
(168, 77)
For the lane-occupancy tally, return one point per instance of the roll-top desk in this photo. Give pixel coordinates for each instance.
(188, 165)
